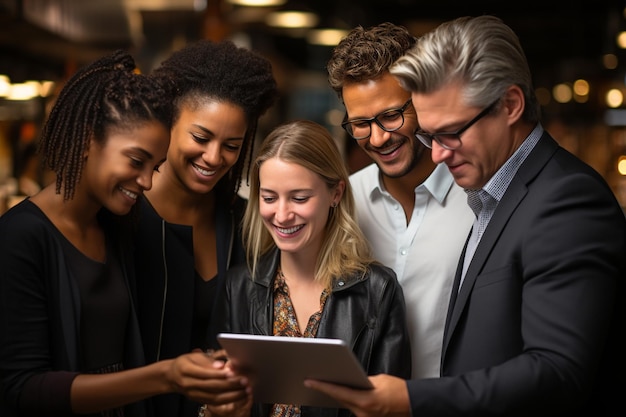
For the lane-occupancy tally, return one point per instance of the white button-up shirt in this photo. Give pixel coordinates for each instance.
(424, 254)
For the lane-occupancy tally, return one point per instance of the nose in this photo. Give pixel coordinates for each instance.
(439, 154)
(145, 179)
(283, 212)
(212, 154)
(378, 136)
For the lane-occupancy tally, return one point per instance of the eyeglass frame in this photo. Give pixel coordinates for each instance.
(427, 138)
(369, 120)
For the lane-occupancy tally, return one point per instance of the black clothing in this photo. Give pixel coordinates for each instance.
(365, 311)
(166, 287)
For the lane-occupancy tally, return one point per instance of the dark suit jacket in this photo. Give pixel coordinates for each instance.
(535, 326)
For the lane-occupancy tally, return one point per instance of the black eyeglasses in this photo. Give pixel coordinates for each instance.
(451, 140)
(389, 121)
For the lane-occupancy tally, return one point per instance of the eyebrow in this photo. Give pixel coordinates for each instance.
(143, 151)
(302, 190)
(445, 129)
(210, 132)
(354, 119)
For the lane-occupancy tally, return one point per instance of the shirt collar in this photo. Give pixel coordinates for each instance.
(498, 184)
(438, 184)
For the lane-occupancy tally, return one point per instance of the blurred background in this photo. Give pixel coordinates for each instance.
(577, 54)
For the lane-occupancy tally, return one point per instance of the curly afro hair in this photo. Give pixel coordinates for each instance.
(222, 71)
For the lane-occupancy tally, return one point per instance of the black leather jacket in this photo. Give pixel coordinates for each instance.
(367, 312)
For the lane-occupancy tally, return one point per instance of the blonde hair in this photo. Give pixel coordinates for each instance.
(344, 248)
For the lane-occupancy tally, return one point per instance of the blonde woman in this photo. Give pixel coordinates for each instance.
(310, 272)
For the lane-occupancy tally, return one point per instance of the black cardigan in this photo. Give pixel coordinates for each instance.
(40, 314)
(165, 276)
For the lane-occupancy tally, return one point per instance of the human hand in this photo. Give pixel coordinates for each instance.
(239, 408)
(205, 378)
(388, 398)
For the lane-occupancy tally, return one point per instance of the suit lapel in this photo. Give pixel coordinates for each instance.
(515, 193)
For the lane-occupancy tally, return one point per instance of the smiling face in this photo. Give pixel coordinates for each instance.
(206, 143)
(396, 153)
(294, 204)
(485, 146)
(120, 169)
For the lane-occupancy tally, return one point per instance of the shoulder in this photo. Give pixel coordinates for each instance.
(377, 276)
(25, 232)
(380, 272)
(365, 175)
(364, 181)
(24, 219)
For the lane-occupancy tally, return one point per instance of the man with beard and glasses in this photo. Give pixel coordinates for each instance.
(410, 209)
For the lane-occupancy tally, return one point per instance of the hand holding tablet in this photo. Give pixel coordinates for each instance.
(277, 366)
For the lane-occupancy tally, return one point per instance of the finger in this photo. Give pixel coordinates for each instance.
(340, 393)
(218, 399)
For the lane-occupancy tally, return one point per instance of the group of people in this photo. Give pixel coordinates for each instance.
(474, 268)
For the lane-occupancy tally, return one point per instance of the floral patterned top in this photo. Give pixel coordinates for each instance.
(286, 324)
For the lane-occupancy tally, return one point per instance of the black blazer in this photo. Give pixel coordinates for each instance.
(535, 326)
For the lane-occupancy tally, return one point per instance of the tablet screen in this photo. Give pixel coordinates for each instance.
(278, 365)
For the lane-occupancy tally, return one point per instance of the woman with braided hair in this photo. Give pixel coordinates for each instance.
(69, 337)
(189, 221)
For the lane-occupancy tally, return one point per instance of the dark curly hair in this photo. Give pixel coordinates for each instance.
(107, 94)
(366, 54)
(227, 73)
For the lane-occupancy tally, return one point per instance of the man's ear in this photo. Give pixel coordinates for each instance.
(514, 103)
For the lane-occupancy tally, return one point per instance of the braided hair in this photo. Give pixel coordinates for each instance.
(109, 93)
(226, 73)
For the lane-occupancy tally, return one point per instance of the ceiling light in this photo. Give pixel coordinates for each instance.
(326, 37)
(5, 86)
(24, 91)
(292, 19)
(257, 3)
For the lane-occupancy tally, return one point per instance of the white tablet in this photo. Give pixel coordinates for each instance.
(278, 366)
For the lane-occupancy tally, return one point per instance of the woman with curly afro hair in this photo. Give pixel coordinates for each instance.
(70, 341)
(189, 221)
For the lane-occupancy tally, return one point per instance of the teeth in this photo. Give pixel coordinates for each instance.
(289, 230)
(388, 151)
(129, 193)
(204, 171)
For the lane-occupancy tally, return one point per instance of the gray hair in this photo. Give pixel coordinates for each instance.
(482, 53)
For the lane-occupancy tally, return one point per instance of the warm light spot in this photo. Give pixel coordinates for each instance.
(621, 165)
(562, 93)
(614, 98)
(581, 87)
(23, 91)
(46, 88)
(258, 3)
(5, 85)
(326, 37)
(292, 19)
(621, 40)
